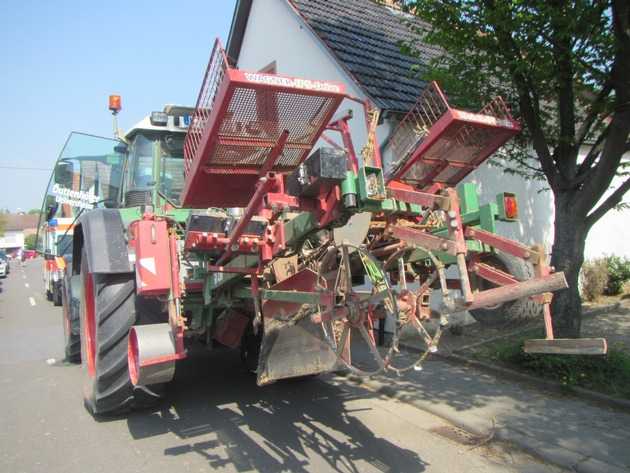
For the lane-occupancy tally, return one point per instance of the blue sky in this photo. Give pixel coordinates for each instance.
(60, 60)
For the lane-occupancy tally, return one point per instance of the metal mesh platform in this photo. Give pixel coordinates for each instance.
(239, 119)
(435, 143)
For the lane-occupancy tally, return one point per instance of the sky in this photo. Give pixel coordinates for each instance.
(60, 60)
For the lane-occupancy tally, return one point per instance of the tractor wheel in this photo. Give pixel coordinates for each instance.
(107, 314)
(250, 348)
(57, 295)
(70, 311)
(512, 311)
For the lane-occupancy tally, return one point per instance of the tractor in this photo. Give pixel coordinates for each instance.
(259, 227)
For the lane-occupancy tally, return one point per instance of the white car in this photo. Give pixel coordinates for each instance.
(4, 267)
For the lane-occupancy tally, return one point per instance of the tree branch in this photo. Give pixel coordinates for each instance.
(592, 114)
(611, 201)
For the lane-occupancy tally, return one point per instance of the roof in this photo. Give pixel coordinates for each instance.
(16, 222)
(365, 38)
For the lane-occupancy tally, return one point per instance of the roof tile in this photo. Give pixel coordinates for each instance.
(366, 39)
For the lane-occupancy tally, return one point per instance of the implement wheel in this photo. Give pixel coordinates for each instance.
(107, 314)
(511, 311)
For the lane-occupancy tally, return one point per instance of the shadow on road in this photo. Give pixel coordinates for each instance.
(286, 426)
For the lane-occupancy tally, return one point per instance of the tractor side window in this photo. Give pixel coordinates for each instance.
(172, 167)
(142, 162)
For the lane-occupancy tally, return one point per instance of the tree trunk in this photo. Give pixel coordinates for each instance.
(568, 255)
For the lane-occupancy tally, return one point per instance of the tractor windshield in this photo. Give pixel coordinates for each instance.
(87, 174)
(168, 175)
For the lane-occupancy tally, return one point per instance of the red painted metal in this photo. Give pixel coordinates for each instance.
(494, 275)
(230, 327)
(162, 359)
(500, 243)
(265, 184)
(424, 199)
(90, 323)
(150, 242)
(239, 118)
(438, 143)
(424, 239)
(200, 241)
(274, 154)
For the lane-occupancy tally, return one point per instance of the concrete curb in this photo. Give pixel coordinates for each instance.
(555, 455)
(583, 393)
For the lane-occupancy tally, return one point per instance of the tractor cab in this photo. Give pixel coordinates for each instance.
(155, 163)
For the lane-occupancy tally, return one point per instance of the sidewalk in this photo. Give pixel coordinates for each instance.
(560, 429)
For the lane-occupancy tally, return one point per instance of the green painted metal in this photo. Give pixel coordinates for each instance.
(468, 197)
(349, 184)
(298, 227)
(299, 297)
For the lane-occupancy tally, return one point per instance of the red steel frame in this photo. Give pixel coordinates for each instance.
(265, 196)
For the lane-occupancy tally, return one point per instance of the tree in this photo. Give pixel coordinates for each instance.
(33, 212)
(3, 223)
(30, 241)
(564, 66)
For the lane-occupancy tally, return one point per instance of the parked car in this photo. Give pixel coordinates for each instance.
(29, 254)
(7, 265)
(4, 268)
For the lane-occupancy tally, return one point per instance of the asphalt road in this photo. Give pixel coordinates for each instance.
(213, 417)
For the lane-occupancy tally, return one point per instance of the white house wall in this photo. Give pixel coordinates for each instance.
(611, 234)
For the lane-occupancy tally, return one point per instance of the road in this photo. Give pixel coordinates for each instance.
(213, 418)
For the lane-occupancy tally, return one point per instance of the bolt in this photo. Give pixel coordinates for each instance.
(526, 255)
(453, 223)
(235, 247)
(452, 214)
(444, 246)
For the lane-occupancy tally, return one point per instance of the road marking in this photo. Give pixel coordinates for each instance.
(26, 284)
(32, 301)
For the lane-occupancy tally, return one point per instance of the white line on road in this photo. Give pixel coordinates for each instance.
(32, 301)
(26, 284)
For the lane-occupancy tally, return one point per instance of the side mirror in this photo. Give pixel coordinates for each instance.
(121, 148)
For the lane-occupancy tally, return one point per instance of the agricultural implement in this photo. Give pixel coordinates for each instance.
(303, 255)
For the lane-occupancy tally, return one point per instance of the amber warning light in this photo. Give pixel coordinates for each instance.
(115, 103)
(510, 205)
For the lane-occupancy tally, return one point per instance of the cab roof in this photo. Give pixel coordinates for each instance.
(175, 124)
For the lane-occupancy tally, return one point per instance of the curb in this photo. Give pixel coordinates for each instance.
(555, 455)
(587, 394)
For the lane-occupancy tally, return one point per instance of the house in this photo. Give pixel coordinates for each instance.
(357, 42)
(17, 227)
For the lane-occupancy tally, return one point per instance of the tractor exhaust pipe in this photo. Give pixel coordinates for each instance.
(151, 354)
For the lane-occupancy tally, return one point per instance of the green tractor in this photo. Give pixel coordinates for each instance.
(105, 184)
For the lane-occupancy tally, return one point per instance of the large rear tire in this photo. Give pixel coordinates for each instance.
(70, 310)
(107, 314)
(512, 311)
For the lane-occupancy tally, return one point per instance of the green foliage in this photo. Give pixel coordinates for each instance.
(3, 223)
(521, 48)
(618, 269)
(594, 279)
(33, 212)
(609, 374)
(30, 241)
(605, 275)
